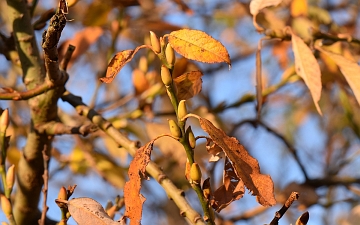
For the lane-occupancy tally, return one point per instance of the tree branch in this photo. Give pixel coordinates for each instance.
(172, 191)
(58, 128)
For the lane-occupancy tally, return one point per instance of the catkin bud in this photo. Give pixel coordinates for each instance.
(174, 129)
(182, 110)
(191, 138)
(170, 54)
(10, 177)
(5, 205)
(62, 194)
(195, 173)
(155, 43)
(165, 76)
(4, 120)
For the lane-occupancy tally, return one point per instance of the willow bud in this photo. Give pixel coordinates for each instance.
(5, 205)
(10, 177)
(174, 129)
(170, 54)
(195, 173)
(165, 76)
(191, 138)
(4, 120)
(155, 43)
(182, 110)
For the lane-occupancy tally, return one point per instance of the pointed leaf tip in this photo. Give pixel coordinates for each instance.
(199, 46)
(116, 64)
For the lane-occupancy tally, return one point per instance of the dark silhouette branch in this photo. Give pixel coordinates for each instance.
(293, 197)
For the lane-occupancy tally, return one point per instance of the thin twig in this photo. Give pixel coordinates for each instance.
(45, 188)
(293, 197)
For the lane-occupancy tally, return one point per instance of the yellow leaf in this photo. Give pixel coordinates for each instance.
(77, 161)
(116, 63)
(199, 46)
(188, 85)
(257, 5)
(299, 8)
(350, 70)
(307, 68)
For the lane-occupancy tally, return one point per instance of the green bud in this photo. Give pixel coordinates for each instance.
(182, 110)
(170, 54)
(195, 173)
(155, 43)
(165, 76)
(174, 129)
(191, 138)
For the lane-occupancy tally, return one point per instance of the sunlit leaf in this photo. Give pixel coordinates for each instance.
(307, 68)
(350, 70)
(246, 167)
(257, 5)
(188, 85)
(77, 162)
(231, 190)
(298, 8)
(213, 149)
(116, 63)
(88, 211)
(133, 198)
(199, 46)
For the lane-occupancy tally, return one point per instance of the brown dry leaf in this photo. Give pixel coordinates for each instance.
(257, 5)
(88, 211)
(299, 8)
(213, 149)
(116, 63)
(199, 46)
(188, 85)
(246, 167)
(232, 189)
(307, 68)
(350, 70)
(140, 82)
(82, 41)
(133, 198)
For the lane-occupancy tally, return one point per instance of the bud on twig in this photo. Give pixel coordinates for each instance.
(5, 205)
(4, 120)
(195, 173)
(191, 138)
(10, 177)
(174, 129)
(165, 76)
(170, 54)
(182, 110)
(155, 43)
(62, 195)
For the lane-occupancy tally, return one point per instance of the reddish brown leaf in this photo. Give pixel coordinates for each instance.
(188, 85)
(133, 198)
(82, 41)
(199, 46)
(213, 149)
(116, 63)
(246, 167)
(232, 189)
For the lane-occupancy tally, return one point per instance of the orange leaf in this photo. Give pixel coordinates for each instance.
(197, 45)
(246, 167)
(350, 70)
(116, 63)
(232, 189)
(133, 198)
(188, 85)
(307, 68)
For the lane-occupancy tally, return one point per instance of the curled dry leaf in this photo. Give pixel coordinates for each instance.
(307, 68)
(257, 5)
(116, 64)
(213, 149)
(350, 70)
(246, 167)
(188, 85)
(88, 211)
(133, 198)
(232, 189)
(199, 46)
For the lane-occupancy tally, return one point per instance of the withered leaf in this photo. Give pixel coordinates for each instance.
(88, 211)
(350, 70)
(257, 5)
(199, 46)
(307, 68)
(213, 149)
(246, 167)
(232, 189)
(133, 198)
(116, 64)
(188, 85)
